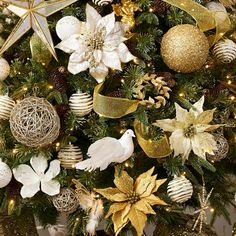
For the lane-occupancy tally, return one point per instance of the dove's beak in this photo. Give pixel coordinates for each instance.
(133, 135)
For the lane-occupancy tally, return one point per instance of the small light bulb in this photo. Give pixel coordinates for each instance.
(207, 66)
(126, 164)
(11, 202)
(182, 4)
(151, 10)
(14, 151)
(77, 219)
(25, 88)
(229, 81)
(232, 97)
(57, 144)
(181, 94)
(50, 87)
(212, 210)
(122, 81)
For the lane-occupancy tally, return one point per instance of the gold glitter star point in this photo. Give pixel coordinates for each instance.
(33, 14)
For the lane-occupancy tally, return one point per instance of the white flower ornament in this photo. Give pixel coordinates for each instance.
(35, 178)
(190, 131)
(98, 45)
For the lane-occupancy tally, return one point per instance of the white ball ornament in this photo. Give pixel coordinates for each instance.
(4, 69)
(6, 106)
(225, 51)
(180, 189)
(67, 26)
(5, 174)
(81, 103)
(69, 156)
(102, 2)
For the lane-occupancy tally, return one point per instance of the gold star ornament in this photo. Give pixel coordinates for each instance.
(132, 200)
(33, 14)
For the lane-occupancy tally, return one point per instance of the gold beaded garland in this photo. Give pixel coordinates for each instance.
(184, 48)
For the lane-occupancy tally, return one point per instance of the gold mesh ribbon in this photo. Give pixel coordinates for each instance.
(206, 20)
(153, 149)
(111, 107)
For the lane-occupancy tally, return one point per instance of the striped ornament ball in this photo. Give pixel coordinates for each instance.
(180, 189)
(225, 51)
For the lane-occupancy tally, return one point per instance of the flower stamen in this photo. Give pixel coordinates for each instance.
(190, 131)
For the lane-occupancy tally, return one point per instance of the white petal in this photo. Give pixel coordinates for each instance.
(180, 144)
(111, 60)
(202, 143)
(181, 113)
(97, 55)
(77, 64)
(39, 164)
(30, 190)
(51, 187)
(92, 18)
(124, 54)
(99, 73)
(198, 107)
(25, 175)
(72, 44)
(53, 171)
(108, 22)
(166, 124)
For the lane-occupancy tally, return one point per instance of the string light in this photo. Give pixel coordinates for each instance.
(14, 151)
(122, 81)
(57, 144)
(50, 87)
(181, 94)
(229, 82)
(77, 219)
(212, 210)
(126, 164)
(232, 97)
(11, 202)
(25, 88)
(151, 10)
(207, 66)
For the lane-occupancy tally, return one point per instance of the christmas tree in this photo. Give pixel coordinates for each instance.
(118, 114)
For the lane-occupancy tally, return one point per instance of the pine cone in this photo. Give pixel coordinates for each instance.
(116, 94)
(62, 110)
(168, 78)
(160, 7)
(58, 79)
(215, 92)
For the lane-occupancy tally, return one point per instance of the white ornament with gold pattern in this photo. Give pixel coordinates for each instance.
(6, 106)
(81, 103)
(69, 156)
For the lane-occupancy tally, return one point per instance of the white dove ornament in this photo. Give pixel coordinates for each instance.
(107, 150)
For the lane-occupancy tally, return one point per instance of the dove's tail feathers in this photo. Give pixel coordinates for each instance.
(85, 165)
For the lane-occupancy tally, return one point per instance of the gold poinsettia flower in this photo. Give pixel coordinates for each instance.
(190, 131)
(133, 200)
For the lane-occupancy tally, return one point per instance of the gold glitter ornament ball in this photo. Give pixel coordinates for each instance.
(184, 48)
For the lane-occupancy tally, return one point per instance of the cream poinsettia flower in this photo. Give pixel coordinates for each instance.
(98, 46)
(132, 200)
(190, 131)
(35, 178)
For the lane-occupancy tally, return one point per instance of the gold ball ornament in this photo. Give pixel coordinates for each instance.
(184, 48)
(34, 122)
(69, 156)
(66, 201)
(4, 68)
(234, 230)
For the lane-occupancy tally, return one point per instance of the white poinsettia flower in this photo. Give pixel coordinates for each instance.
(98, 46)
(190, 131)
(36, 178)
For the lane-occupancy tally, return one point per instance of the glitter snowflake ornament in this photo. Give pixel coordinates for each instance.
(98, 45)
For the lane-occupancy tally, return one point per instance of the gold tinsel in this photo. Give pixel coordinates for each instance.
(184, 48)
(228, 3)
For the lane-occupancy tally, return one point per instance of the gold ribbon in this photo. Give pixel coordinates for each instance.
(111, 107)
(206, 19)
(153, 149)
(39, 50)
